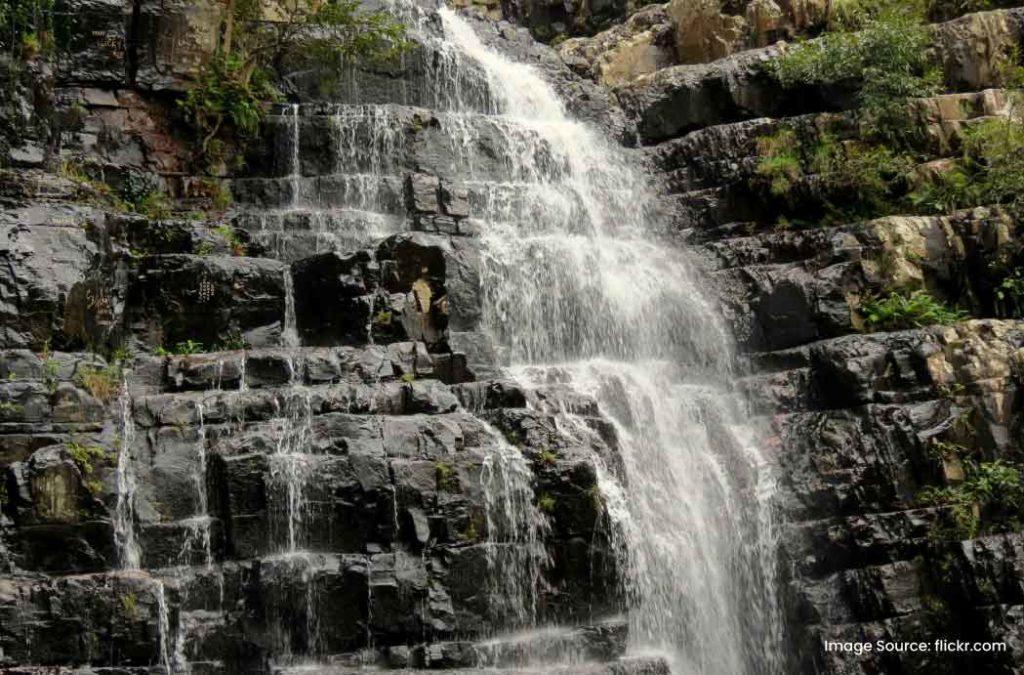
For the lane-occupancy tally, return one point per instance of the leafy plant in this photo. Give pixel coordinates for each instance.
(869, 178)
(779, 160)
(546, 503)
(916, 310)
(84, 457)
(103, 383)
(476, 526)
(445, 477)
(235, 341)
(51, 368)
(1010, 295)
(185, 348)
(882, 47)
(130, 605)
(944, 10)
(26, 25)
(231, 238)
(228, 100)
(545, 456)
(990, 490)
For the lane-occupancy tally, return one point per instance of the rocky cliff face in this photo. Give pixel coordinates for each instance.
(334, 468)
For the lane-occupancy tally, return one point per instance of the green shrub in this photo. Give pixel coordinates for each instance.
(546, 503)
(84, 456)
(228, 97)
(26, 25)
(989, 171)
(185, 348)
(227, 102)
(231, 237)
(944, 10)
(898, 312)
(547, 457)
(882, 47)
(234, 342)
(869, 179)
(991, 493)
(780, 161)
(1010, 295)
(445, 477)
(103, 383)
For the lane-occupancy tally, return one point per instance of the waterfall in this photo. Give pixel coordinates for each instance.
(294, 150)
(201, 526)
(125, 540)
(515, 535)
(290, 331)
(163, 625)
(578, 290)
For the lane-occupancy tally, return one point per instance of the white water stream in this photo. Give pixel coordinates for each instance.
(579, 291)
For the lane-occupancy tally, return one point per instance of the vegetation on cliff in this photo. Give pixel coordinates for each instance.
(229, 99)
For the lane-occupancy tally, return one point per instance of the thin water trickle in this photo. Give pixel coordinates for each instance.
(202, 528)
(125, 540)
(290, 331)
(515, 528)
(163, 625)
(295, 148)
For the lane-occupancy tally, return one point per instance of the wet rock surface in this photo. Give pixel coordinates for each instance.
(308, 484)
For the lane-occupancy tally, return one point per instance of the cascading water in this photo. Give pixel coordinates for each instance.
(515, 535)
(295, 150)
(199, 530)
(125, 539)
(289, 332)
(578, 291)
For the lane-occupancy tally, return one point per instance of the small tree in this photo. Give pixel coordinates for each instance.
(234, 88)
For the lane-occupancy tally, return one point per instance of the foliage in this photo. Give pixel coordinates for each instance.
(26, 25)
(897, 312)
(235, 341)
(445, 477)
(990, 489)
(130, 605)
(944, 10)
(868, 177)
(137, 193)
(476, 527)
(51, 368)
(103, 383)
(84, 457)
(851, 15)
(1010, 295)
(228, 100)
(185, 348)
(779, 160)
(231, 238)
(990, 170)
(547, 457)
(881, 46)
(230, 97)
(546, 503)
